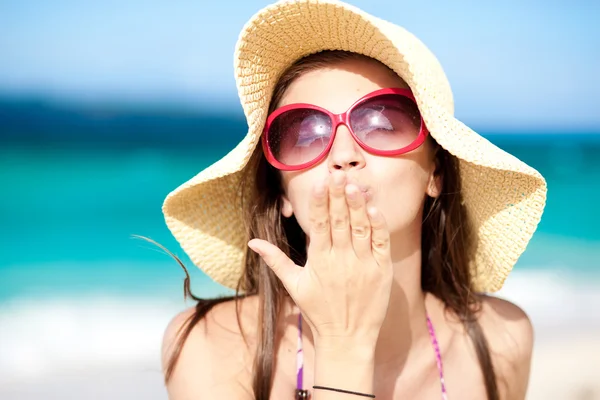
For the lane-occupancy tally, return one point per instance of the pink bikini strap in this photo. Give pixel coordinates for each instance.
(438, 356)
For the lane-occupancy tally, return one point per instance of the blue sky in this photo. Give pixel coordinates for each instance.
(512, 64)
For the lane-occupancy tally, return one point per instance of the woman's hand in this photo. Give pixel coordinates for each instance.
(343, 290)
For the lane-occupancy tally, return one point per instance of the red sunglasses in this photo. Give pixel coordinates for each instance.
(386, 122)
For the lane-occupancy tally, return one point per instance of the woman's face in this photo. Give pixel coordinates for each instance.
(397, 186)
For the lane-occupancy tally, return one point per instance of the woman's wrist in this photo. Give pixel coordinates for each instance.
(362, 351)
(344, 366)
(363, 344)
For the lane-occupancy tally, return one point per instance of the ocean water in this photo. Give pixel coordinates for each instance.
(77, 290)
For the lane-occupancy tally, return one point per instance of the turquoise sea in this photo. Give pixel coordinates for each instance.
(70, 269)
(68, 213)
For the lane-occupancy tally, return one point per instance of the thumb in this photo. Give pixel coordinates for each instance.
(277, 260)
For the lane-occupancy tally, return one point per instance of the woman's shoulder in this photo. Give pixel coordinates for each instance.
(215, 360)
(219, 324)
(510, 336)
(507, 326)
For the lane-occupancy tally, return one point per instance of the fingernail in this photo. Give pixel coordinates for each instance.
(372, 212)
(351, 191)
(253, 248)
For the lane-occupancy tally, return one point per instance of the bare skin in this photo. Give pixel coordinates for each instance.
(216, 363)
(384, 321)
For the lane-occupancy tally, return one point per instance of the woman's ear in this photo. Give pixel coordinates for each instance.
(434, 186)
(286, 207)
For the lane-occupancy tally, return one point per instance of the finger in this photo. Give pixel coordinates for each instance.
(380, 237)
(320, 232)
(360, 226)
(338, 211)
(278, 261)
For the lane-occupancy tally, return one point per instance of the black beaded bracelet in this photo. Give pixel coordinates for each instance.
(344, 391)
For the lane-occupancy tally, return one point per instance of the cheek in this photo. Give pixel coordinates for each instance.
(400, 195)
(299, 189)
(301, 213)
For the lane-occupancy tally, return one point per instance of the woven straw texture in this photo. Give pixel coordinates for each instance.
(504, 197)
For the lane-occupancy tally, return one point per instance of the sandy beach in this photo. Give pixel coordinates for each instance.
(117, 383)
(564, 368)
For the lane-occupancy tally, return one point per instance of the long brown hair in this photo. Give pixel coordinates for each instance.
(447, 240)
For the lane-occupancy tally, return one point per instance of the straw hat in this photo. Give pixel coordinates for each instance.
(504, 197)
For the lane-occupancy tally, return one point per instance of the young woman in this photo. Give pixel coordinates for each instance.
(360, 223)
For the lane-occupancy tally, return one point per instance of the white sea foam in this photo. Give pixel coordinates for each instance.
(39, 337)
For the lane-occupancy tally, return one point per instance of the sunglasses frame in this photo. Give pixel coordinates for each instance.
(337, 120)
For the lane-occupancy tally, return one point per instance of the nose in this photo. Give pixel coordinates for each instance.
(345, 153)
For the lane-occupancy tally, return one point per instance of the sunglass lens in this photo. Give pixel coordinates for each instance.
(387, 122)
(298, 136)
